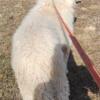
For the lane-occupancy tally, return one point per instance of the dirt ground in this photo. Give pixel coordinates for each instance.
(87, 32)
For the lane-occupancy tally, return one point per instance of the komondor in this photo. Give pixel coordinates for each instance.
(40, 51)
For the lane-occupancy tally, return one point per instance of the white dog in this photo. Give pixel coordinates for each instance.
(39, 49)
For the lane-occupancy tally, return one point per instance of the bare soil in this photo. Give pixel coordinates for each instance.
(87, 31)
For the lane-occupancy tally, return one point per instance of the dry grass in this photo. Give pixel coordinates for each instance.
(86, 29)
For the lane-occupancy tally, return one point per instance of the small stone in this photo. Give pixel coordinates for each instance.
(90, 28)
(1, 76)
(0, 93)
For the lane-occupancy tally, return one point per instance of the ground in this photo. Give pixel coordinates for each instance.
(87, 32)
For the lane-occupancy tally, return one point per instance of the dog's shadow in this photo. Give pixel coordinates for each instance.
(79, 78)
(80, 81)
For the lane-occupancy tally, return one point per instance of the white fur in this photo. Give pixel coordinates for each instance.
(37, 57)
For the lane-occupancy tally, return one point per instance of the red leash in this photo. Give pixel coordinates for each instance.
(83, 55)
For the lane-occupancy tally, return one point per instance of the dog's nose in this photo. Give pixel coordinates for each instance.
(78, 1)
